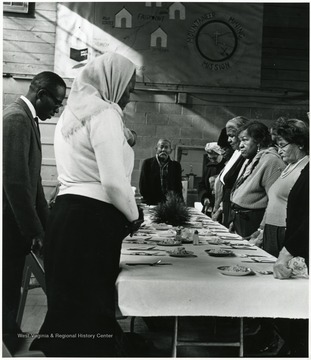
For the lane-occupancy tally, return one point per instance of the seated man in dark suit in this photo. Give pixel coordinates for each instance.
(159, 175)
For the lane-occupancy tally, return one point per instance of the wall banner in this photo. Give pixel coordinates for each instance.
(203, 44)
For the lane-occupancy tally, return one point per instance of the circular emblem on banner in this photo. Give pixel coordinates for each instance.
(216, 41)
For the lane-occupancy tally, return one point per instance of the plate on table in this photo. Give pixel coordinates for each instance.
(216, 242)
(181, 252)
(235, 270)
(219, 252)
(169, 242)
(161, 226)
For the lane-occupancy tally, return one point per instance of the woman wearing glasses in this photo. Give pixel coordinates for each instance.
(293, 147)
(263, 166)
(284, 231)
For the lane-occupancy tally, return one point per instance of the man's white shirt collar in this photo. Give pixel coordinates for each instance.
(29, 104)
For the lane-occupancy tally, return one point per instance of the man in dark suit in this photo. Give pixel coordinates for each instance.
(159, 175)
(25, 209)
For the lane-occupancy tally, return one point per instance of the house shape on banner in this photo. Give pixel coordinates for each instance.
(177, 8)
(159, 34)
(157, 4)
(121, 16)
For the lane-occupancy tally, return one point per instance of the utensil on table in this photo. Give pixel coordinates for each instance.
(250, 255)
(158, 262)
(263, 260)
(240, 247)
(144, 249)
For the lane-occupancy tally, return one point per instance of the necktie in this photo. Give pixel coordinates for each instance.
(37, 123)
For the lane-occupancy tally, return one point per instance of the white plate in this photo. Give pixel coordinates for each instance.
(184, 254)
(216, 242)
(235, 270)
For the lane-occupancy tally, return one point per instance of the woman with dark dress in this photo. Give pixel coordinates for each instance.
(227, 177)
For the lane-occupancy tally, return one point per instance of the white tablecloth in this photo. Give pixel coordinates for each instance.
(195, 287)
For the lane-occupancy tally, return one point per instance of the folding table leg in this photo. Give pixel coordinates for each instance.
(241, 351)
(22, 302)
(174, 340)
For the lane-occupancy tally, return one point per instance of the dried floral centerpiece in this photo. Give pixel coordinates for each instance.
(173, 211)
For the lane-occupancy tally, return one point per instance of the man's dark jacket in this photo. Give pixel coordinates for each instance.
(150, 182)
(25, 209)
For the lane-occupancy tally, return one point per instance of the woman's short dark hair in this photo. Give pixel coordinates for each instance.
(294, 131)
(259, 132)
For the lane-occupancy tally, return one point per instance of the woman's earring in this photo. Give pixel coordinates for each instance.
(258, 148)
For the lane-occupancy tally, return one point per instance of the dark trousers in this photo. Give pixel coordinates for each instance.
(226, 204)
(295, 333)
(273, 239)
(14, 251)
(11, 287)
(246, 221)
(81, 256)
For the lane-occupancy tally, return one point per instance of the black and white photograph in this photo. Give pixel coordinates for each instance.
(155, 173)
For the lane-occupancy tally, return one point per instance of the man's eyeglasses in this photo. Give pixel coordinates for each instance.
(57, 102)
(280, 147)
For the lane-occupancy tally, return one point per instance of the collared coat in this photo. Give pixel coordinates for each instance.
(25, 208)
(150, 181)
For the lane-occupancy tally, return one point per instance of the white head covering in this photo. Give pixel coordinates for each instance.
(212, 146)
(99, 85)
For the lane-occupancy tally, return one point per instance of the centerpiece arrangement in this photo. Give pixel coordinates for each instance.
(172, 211)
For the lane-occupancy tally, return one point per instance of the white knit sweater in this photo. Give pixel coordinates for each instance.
(91, 157)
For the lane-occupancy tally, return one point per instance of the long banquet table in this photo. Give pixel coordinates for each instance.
(194, 286)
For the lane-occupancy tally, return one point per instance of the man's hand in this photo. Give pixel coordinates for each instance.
(37, 246)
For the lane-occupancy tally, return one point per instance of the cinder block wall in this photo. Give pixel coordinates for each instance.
(155, 115)
(28, 48)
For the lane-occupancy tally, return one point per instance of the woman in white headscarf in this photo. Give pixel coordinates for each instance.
(94, 210)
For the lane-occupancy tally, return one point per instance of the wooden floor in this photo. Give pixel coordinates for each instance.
(156, 333)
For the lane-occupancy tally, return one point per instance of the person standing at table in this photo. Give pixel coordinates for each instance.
(159, 175)
(296, 243)
(212, 168)
(93, 212)
(224, 182)
(227, 152)
(25, 209)
(292, 137)
(249, 196)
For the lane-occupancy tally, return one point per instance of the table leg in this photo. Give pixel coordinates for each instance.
(174, 340)
(241, 352)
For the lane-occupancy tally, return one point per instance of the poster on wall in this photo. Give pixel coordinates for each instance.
(202, 44)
